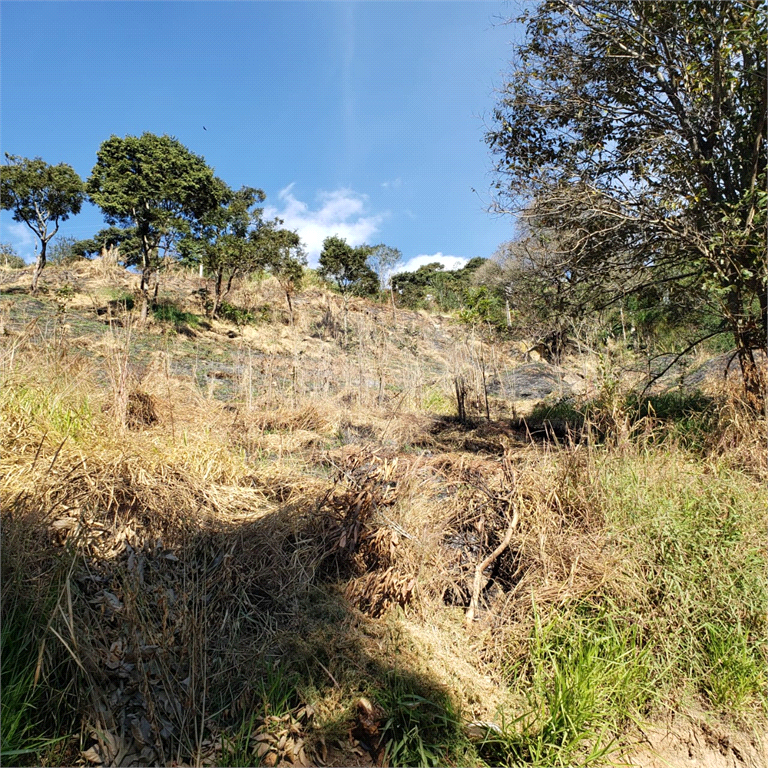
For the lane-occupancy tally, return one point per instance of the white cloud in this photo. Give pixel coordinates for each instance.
(448, 262)
(342, 213)
(398, 182)
(21, 238)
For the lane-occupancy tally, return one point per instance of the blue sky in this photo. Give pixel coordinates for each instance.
(360, 119)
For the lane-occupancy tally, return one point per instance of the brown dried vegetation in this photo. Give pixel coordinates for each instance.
(176, 544)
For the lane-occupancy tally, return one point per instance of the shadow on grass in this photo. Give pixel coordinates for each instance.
(179, 635)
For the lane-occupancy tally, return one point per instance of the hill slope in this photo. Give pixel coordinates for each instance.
(274, 542)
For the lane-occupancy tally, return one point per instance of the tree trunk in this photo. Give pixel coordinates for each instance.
(217, 293)
(146, 276)
(747, 336)
(290, 305)
(39, 264)
(753, 377)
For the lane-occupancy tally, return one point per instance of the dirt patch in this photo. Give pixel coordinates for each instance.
(694, 740)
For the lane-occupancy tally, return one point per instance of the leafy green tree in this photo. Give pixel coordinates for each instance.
(155, 185)
(9, 258)
(41, 196)
(413, 287)
(347, 266)
(280, 252)
(223, 240)
(637, 130)
(432, 283)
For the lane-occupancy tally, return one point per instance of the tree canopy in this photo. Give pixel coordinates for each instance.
(637, 131)
(432, 283)
(281, 252)
(348, 267)
(40, 196)
(222, 239)
(155, 184)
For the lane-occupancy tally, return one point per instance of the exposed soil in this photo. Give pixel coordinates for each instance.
(693, 740)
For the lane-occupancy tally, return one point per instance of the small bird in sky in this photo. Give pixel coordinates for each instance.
(204, 128)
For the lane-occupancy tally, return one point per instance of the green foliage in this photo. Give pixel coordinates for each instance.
(419, 731)
(24, 706)
(413, 287)
(55, 410)
(689, 419)
(20, 721)
(150, 182)
(222, 239)
(347, 267)
(448, 290)
(275, 695)
(585, 676)
(40, 195)
(693, 537)
(9, 258)
(735, 674)
(64, 251)
(634, 131)
(241, 317)
(481, 306)
(155, 185)
(280, 252)
(108, 239)
(121, 299)
(170, 313)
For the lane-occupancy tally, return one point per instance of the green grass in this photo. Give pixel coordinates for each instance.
(274, 694)
(122, 299)
(22, 723)
(735, 676)
(170, 313)
(586, 675)
(241, 317)
(692, 534)
(62, 414)
(422, 728)
(687, 418)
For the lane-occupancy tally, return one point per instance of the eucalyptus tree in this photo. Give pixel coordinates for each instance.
(383, 259)
(155, 185)
(636, 129)
(41, 196)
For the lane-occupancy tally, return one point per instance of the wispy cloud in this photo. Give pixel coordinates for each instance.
(394, 184)
(341, 212)
(448, 262)
(21, 238)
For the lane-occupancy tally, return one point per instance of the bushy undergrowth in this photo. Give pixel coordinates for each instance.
(169, 313)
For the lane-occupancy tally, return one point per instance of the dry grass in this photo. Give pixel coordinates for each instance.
(176, 543)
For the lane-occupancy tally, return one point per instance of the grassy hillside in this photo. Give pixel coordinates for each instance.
(262, 542)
